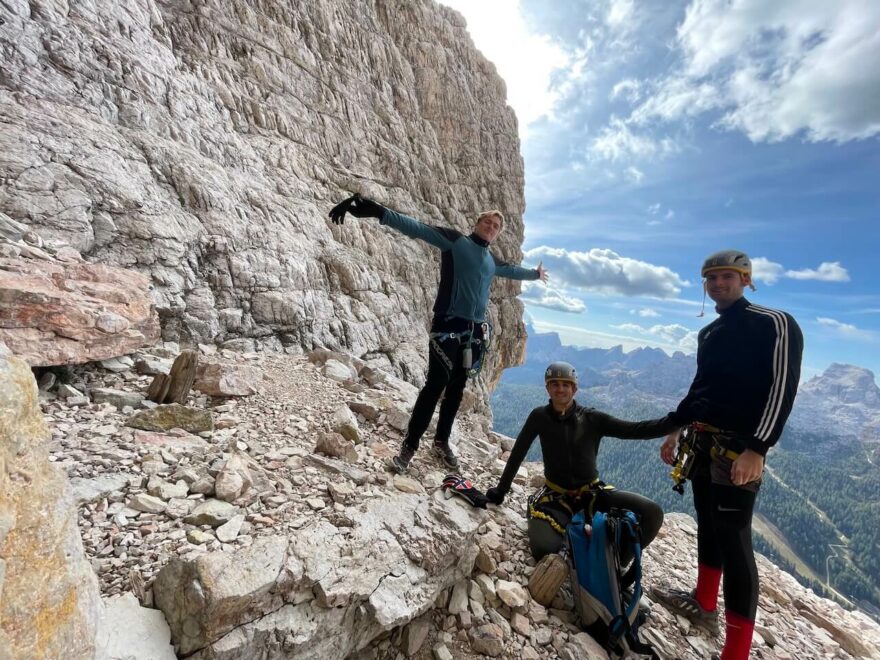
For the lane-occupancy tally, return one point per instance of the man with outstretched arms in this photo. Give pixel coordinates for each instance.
(459, 331)
(748, 368)
(570, 435)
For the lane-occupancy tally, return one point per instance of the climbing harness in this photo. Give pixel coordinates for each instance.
(547, 500)
(468, 338)
(685, 456)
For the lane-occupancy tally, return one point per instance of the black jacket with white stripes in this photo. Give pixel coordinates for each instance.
(748, 368)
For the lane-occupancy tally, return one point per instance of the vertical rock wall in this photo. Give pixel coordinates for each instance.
(203, 143)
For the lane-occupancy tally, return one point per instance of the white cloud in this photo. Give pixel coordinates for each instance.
(543, 295)
(845, 329)
(635, 174)
(673, 334)
(826, 272)
(777, 69)
(629, 88)
(525, 60)
(655, 209)
(676, 97)
(616, 141)
(766, 271)
(621, 14)
(645, 312)
(605, 271)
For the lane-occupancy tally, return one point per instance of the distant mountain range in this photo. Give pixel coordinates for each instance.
(843, 402)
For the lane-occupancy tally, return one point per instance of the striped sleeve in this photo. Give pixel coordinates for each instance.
(784, 346)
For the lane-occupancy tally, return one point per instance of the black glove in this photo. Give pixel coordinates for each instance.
(359, 207)
(495, 495)
(455, 484)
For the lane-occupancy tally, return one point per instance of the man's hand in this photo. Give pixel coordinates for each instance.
(494, 495)
(542, 274)
(667, 449)
(359, 207)
(747, 468)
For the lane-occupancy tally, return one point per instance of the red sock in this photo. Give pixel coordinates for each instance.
(738, 640)
(708, 581)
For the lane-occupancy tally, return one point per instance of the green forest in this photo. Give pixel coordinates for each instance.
(827, 508)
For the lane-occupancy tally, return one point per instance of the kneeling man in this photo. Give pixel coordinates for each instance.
(570, 436)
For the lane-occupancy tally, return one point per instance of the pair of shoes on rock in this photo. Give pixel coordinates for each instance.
(684, 603)
(400, 463)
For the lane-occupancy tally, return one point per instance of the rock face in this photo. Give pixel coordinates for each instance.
(67, 312)
(204, 147)
(50, 600)
(336, 588)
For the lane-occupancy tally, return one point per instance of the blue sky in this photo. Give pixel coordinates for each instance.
(657, 132)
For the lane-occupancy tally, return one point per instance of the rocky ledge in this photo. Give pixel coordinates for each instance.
(273, 527)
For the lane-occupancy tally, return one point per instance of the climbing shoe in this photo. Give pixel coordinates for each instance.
(683, 603)
(400, 463)
(444, 453)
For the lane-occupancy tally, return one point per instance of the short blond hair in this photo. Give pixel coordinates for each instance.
(488, 214)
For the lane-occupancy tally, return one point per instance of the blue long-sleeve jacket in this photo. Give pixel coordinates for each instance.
(748, 368)
(466, 267)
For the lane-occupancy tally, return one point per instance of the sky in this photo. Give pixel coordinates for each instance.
(656, 132)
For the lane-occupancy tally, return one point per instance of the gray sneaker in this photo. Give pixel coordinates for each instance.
(400, 463)
(444, 453)
(683, 603)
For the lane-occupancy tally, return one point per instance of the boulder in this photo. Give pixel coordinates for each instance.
(227, 380)
(54, 312)
(211, 512)
(345, 424)
(487, 639)
(335, 370)
(234, 479)
(118, 398)
(50, 601)
(204, 598)
(511, 594)
(334, 444)
(172, 416)
(324, 592)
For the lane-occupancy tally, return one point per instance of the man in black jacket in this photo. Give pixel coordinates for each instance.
(570, 435)
(748, 367)
(458, 330)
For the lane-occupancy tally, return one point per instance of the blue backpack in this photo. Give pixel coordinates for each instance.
(608, 612)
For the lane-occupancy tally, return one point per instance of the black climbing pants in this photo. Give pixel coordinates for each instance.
(546, 536)
(724, 531)
(445, 373)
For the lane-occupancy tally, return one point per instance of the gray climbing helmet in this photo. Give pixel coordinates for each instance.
(728, 260)
(561, 371)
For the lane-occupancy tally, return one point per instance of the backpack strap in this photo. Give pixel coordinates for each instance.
(628, 530)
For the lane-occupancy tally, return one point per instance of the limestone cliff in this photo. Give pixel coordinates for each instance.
(203, 143)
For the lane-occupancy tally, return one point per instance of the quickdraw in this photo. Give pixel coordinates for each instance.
(685, 457)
